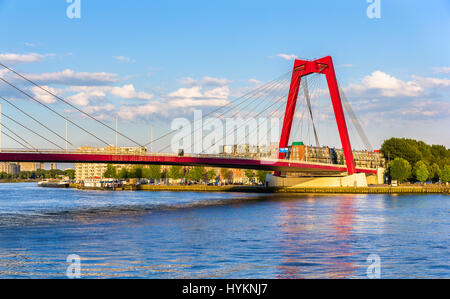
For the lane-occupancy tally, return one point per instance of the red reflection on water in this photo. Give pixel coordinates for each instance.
(344, 225)
(314, 246)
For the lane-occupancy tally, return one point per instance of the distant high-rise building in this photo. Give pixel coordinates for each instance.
(85, 171)
(10, 168)
(31, 166)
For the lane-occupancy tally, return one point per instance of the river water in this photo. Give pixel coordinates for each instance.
(221, 235)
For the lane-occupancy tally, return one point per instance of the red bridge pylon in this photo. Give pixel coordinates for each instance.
(322, 66)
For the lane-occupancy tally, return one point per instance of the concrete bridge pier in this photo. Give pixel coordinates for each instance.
(354, 180)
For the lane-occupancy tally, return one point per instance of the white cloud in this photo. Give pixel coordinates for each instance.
(254, 81)
(195, 97)
(380, 83)
(191, 92)
(188, 81)
(140, 111)
(12, 59)
(124, 59)
(426, 109)
(84, 94)
(218, 93)
(96, 108)
(205, 81)
(70, 77)
(30, 44)
(85, 97)
(443, 70)
(432, 82)
(44, 96)
(129, 92)
(210, 81)
(287, 56)
(198, 94)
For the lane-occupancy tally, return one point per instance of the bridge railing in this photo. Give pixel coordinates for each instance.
(221, 156)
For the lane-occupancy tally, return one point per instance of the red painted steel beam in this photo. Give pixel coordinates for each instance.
(174, 160)
(324, 66)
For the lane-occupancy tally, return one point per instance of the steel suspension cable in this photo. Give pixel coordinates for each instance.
(54, 111)
(25, 127)
(270, 114)
(355, 120)
(308, 102)
(245, 98)
(245, 123)
(235, 130)
(39, 122)
(15, 134)
(71, 105)
(237, 112)
(24, 146)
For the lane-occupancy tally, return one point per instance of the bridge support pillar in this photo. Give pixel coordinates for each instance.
(301, 69)
(354, 180)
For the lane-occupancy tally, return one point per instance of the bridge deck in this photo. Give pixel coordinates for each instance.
(172, 159)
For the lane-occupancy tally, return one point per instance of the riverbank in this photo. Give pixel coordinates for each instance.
(434, 189)
(18, 181)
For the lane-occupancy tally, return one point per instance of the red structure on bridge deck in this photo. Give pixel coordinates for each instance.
(301, 68)
(304, 68)
(208, 161)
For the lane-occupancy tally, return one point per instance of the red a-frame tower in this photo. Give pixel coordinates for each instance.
(323, 66)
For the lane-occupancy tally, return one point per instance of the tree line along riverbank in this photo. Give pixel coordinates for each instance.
(415, 161)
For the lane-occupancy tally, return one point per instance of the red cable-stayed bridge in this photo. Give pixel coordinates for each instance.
(302, 68)
(281, 165)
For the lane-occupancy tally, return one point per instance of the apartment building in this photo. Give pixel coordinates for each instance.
(10, 168)
(85, 171)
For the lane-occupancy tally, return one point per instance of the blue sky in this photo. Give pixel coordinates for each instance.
(132, 58)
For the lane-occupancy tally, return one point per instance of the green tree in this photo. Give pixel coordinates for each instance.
(41, 173)
(440, 155)
(53, 173)
(223, 173)
(211, 175)
(175, 172)
(164, 174)
(249, 174)
(261, 175)
(70, 173)
(153, 172)
(445, 174)
(111, 172)
(341, 160)
(137, 172)
(197, 173)
(24, 175)
(421, 171)
(407, 149)
(414, 151)
(123, 174)
(435, 172)
(399, 169)
(226, 174)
